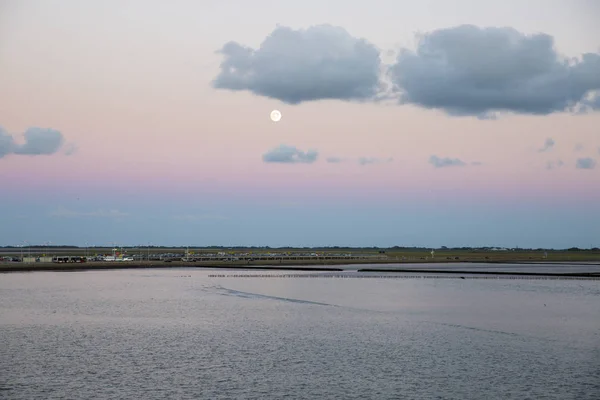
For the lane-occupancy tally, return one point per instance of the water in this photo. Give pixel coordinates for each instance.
(177, 333)
(538, 267)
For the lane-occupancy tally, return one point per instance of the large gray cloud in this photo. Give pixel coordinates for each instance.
(290, 155)
(441, 162)
(467, 70)
(585, 163)
(295, 66)
(38, 141)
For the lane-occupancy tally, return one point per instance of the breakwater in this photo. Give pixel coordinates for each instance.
(32, 267)
(340, 270)
(449, 276)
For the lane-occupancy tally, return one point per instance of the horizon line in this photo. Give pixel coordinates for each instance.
(441, 248)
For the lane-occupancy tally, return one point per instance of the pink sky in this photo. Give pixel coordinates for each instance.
(129, 85)
(205, 143)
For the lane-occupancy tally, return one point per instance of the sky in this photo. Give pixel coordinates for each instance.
(404, 123)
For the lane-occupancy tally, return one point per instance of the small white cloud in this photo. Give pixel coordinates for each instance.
(374, 160)
(7, 143)
(37, 141)
(285, 154)
(442, 162)
(66, 213)
(334, 160)
(199, 217)
(585, 163)
(548, 145)
(554, 164)
(71, 149)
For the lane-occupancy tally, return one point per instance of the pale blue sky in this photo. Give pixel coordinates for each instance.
(151, 149)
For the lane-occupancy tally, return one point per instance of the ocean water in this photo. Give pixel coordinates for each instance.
(179, 333)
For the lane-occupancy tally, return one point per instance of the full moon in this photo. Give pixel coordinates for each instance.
(275, 115)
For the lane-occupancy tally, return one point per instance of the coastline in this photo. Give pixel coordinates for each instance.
(304, 265)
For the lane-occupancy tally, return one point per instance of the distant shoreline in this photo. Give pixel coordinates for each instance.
(289, 265)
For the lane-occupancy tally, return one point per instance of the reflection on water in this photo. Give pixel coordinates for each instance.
(180, 334)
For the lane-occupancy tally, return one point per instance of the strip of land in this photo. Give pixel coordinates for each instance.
(380, 266)
(275, 265)
(395, 254)
(506, 261)
(475, 272)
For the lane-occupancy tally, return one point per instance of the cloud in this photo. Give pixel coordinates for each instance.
(295, 66)
(585, 163)
(334, 160)
(38, 141)
(548, 145)
(66, 213)
(199, 217)
(554, 164)
(71, 149)
(373, 160)
(476, 163)
(467, 70)
(464, 70)
(6, 143)
(290, 155)
(438, 162)
(592, 100)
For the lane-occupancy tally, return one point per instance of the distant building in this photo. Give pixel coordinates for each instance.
(68, 259)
